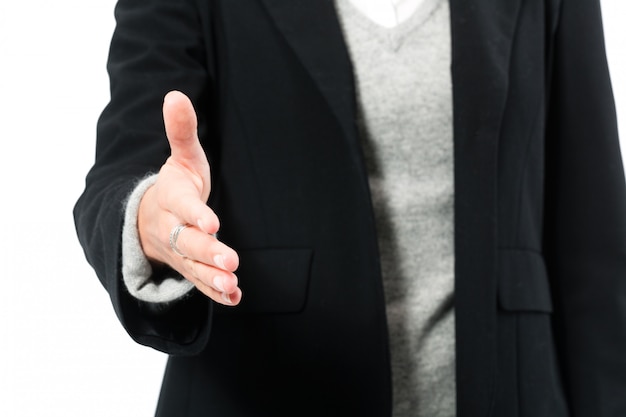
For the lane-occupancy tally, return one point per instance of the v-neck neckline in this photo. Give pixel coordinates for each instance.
(393, 36)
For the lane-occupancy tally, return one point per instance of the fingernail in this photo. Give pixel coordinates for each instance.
(200, 225)
(226, 298)
(219, 261)
(218, 282)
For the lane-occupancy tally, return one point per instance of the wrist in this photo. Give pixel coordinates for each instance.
(145, 230)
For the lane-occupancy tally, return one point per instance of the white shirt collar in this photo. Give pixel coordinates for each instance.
(387, 13)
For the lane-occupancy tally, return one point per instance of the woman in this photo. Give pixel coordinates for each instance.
(498, 286)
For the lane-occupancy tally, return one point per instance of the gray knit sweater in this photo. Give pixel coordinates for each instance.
(405, 99)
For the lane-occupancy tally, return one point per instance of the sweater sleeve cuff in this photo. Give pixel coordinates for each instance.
(137, 271)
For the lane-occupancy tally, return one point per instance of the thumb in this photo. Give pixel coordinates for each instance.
(181, 128)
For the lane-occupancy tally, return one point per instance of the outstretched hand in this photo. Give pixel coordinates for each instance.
(179, 196)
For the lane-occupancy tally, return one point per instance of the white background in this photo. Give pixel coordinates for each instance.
(62, 351)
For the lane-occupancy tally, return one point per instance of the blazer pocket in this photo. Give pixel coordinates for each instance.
(272, 280)
(523, 281)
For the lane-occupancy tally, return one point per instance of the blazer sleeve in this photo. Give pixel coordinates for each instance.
(157, 46)
(586, 216)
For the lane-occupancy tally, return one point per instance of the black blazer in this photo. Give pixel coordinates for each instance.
(540, 230)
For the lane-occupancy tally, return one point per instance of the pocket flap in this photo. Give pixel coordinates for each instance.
(523, 281)
(272, 280)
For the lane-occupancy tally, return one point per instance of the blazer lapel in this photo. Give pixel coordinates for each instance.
(312, 30)
(482, 34)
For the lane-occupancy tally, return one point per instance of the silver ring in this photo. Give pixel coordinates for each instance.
(176, 230)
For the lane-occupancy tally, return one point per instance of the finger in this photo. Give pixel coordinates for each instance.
(181, 128)
(219, 297)
(206, 249)
(220, 280)
(186, 207)
(222, 298)
(218, 286)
